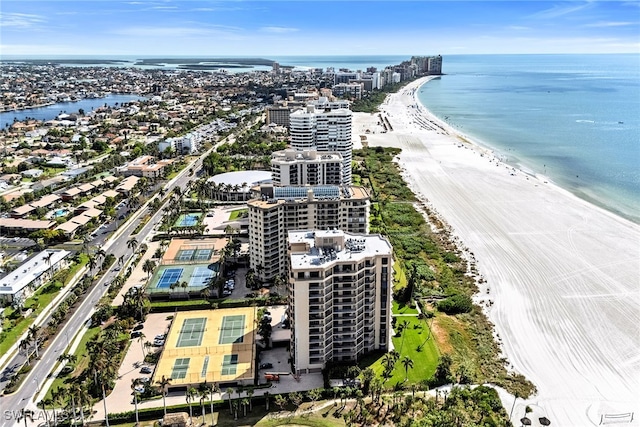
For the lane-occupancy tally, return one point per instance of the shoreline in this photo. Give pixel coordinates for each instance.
(561, 273)
(498, 156)
(624, 210)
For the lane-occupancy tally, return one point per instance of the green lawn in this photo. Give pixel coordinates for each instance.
(237, 214)
(424, 361)
(399, 278)
(401, 308)
(80, 365)
(257, 417)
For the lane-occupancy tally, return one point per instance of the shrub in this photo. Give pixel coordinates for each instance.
(456, 304)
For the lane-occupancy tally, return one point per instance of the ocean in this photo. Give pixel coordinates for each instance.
(572, 118)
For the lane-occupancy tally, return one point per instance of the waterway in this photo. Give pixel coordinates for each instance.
(52, 111)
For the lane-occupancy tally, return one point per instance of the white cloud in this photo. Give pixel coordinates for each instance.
(279, 30)
(177, 31)
(609, 24)
(20, 20)
(557, 11)
(517, 28)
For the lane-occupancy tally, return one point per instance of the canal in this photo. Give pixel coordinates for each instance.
(50, 112)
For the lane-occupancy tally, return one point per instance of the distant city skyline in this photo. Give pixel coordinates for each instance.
(279, 28)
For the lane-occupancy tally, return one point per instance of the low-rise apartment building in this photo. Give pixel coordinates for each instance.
(33, 273)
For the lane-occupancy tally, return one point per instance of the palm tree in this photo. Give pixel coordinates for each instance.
(174, 285)
(132, 244)
(148, 267)
(32, 336)
(101, 253)
(134, 385)
(141, 338)
(184, 286)
(44, 403)
(407, 363)
(250, 392)
(118, 281)
(230, 392)
(244, 402)
(235, 409)
(93, 262)
(81, 392)
(192, 393)
(388, 361)
(47, 258)
(212, 388)
(103, 379)
(24, 346)
(56, 397)
(163, 383)
(203, 393)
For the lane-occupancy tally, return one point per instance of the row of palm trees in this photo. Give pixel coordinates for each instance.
(211, 190)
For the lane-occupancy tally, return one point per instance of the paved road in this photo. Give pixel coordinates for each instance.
(118, 247)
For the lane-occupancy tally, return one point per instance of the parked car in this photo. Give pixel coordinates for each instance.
(146, 370)
(272, 377)
(266, 365)
(138, 327)
(135, 334)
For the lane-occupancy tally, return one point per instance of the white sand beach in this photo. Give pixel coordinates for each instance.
(563, 275)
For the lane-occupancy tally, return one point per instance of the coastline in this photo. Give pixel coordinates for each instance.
(497, 156)
(561, 273)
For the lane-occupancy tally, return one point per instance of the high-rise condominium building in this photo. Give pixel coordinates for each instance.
(307, 167)
(323, 130)
(281, 209)
(339, 296)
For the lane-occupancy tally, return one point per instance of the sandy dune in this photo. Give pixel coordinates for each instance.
(563, 275)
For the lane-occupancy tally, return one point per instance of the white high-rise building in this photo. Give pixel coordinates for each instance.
(340, 287)
(306, 167)
(324, 130)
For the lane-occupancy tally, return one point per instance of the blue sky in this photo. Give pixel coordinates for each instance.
(263, 28)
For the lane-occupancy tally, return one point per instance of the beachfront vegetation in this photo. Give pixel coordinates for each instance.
(436, 277)
(371, 100)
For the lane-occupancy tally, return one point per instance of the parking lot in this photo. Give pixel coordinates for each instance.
(130, 369)
(240, 289)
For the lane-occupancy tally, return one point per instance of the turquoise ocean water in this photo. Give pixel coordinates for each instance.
(572, 118)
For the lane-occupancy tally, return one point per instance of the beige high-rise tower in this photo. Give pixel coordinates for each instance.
(340, 287)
